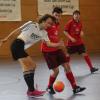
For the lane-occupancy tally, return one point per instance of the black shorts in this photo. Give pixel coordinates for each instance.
(17, 49)
(76, 49)
(55, 58)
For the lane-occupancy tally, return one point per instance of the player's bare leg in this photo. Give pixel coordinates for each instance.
(28, 67)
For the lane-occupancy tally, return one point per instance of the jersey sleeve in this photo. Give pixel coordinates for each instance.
(26, 24)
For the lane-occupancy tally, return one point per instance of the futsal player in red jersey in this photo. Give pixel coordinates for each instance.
(74, 33)
(55, 56)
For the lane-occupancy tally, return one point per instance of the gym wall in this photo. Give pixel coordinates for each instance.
(90, 16)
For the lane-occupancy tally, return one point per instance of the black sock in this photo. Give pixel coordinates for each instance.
(29, 79)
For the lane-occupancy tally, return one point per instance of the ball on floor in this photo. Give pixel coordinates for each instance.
(58, 86)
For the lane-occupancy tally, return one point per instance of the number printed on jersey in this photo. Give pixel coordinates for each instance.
(34, 36)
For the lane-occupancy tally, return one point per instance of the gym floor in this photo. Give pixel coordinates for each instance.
(13, 87)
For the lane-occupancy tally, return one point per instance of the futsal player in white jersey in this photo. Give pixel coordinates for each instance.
(29, 34)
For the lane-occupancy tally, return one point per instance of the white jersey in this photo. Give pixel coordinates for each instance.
(31, 33)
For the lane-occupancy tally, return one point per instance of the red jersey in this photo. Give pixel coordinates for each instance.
(74, 29)
(53, 36)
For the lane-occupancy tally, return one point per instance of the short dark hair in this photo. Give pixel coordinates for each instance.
(57, 10)
(45, 17)
(76, 12)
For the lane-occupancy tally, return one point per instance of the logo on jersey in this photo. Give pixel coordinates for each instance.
(34, 36)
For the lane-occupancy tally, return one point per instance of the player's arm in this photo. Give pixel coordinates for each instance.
(7, 37)
(15, 32)
(82, 34)
(69, 36)
(49, 43)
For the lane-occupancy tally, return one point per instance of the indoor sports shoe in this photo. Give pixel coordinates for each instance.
(78, 89)
(50, 90)
(94, 69)
(35, 93)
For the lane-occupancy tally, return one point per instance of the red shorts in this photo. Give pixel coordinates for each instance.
(76, 49)
(55, 58)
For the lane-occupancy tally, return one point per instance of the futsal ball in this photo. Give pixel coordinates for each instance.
(58, 86)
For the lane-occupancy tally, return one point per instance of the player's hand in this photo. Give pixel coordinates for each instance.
(61, 43)
(73, 40)
(2, 41)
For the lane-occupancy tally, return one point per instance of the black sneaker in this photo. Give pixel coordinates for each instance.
(78, 89)
(94, 69)
(50, 90)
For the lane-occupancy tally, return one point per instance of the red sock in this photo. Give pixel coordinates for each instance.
(71, 79)
(87, 59)
(51, 81)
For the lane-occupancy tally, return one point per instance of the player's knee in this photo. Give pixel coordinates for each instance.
(67, 55)
(84, 54)
(66, 67)
(28, 66)
(56, 71)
